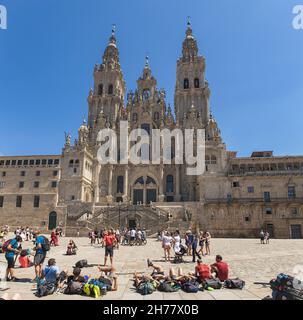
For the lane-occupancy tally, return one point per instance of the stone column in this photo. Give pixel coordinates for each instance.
(125, 196)
(97, 183)
(110, 185)
(161, 195)
(177, 197)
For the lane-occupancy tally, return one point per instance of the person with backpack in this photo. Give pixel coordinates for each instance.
(10, 247)
(42, 245)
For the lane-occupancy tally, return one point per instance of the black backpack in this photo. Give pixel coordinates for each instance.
(81, 264)
(166, 287)
(212, 283)
(234, 283)
(45, 244)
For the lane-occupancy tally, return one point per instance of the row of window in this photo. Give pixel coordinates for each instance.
(37, 173)
(31, 162)
(110, 89)
(36, 184)
(36, 201)
(186, 83)
(267, 167)
(291, 191)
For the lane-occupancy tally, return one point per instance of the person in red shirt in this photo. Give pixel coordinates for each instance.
(220, 268)
(202, 271)
(109, 241)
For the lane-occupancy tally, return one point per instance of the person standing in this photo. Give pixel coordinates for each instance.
(201, 242)
(267, 237)
(166, 244)
(194, 248)
(207, 238)
(12, 250)
(262, 236)
(109, 242)
(39, 255)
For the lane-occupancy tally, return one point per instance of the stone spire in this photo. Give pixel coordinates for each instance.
(111, 53)
(190, 47)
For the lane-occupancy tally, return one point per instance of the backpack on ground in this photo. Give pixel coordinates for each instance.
(81, 264)
(168, 287)
(212, 283)
(190, 286)
(45, 245)
(234, 283)
(145, 288)
(92, 290)
(74, 287)
(45, 289)
(5, 245)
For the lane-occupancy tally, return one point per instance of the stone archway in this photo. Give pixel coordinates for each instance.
(144, 190)
(52, 220)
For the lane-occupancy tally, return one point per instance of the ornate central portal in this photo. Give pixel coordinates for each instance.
(144, 190)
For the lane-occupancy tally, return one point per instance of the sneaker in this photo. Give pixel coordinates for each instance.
(149, 263)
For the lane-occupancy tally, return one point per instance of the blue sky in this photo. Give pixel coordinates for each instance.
(254, 66)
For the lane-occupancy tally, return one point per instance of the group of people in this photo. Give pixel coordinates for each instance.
(134, 235)
(174, 281)
(264, 237)
(194, 243)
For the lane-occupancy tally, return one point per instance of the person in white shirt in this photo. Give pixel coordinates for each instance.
(132, 235)
(166, 245)
(177, 241)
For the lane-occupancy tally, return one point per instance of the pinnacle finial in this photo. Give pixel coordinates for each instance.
(113, 29)
(146, 60)
(188, 21)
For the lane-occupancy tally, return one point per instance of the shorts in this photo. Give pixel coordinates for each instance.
(39, 258)
(132, 238)
(109, 251)
(10, 262)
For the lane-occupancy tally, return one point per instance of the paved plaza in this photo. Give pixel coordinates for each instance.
(247, 258)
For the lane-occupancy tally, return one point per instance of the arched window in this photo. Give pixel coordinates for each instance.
(135, 117)
(169, 183)
(110, 89)
(140, 180)
(100, 89)
(156, 116)
(150, 180)
(120, 184)
(196, 83)
(207, 160)
(186, 83)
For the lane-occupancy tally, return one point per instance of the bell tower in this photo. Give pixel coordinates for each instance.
(109, 86)
(191, 87)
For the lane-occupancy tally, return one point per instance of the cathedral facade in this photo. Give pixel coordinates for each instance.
(233, 197)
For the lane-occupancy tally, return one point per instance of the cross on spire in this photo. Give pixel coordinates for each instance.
(113, 29)
(188, 21)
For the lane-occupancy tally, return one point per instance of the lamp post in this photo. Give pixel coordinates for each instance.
(119, 204)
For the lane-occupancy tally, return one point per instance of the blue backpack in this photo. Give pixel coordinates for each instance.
(190, 286)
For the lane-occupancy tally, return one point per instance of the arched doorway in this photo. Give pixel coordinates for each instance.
(52, 220)
(144, 190)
